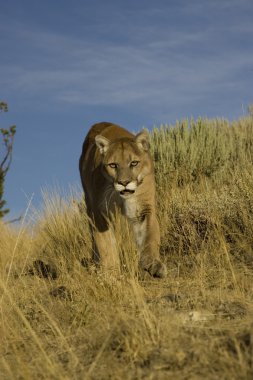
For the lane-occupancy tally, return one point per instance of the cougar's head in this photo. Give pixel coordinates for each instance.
(126, 161)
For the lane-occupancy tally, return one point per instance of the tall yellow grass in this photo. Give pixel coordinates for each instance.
(62, 318)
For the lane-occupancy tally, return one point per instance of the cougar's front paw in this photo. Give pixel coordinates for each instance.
(157, 269)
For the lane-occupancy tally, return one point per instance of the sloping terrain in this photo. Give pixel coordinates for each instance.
(62, 318)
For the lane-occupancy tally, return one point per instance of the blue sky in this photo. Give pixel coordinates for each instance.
(68, 64)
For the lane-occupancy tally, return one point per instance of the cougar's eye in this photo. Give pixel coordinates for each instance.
(134, 163)
(113, 165)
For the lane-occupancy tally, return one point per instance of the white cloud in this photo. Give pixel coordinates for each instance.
(164, 66)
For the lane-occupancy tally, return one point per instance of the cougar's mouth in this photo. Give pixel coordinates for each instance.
(127, 192)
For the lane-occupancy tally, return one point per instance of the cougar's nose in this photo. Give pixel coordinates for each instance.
(124, 183)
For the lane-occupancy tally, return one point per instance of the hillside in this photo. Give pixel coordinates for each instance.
(62, 318)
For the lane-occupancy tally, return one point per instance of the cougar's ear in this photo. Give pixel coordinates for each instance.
(102, 143)
(142, 140)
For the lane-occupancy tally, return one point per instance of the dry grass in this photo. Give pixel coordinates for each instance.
(64, 319)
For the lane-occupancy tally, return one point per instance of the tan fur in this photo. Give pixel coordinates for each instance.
(117, 173)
